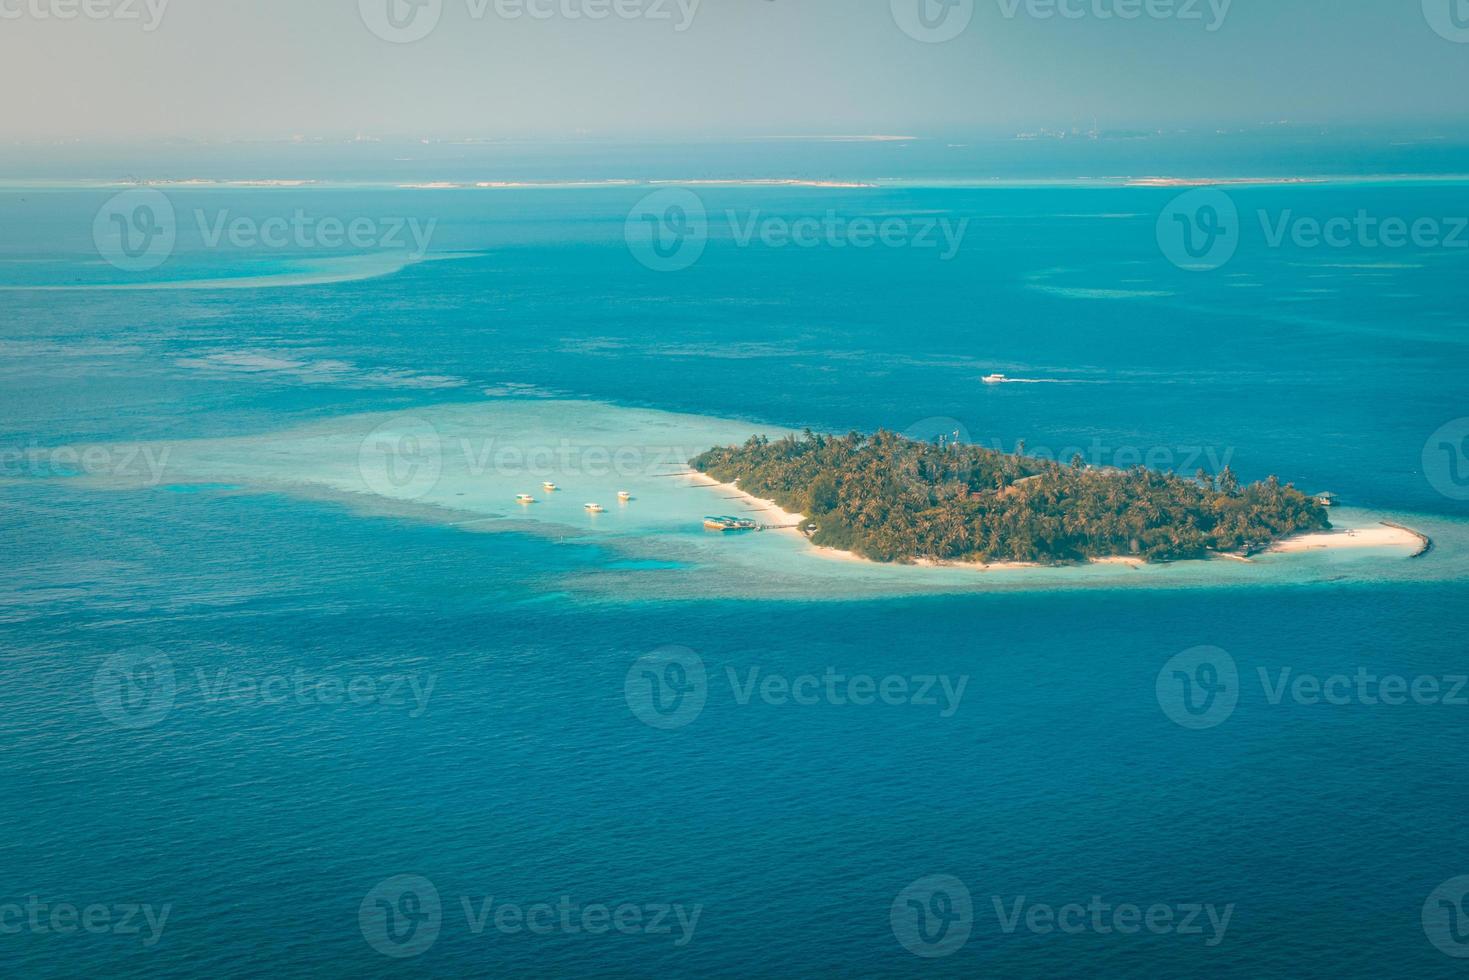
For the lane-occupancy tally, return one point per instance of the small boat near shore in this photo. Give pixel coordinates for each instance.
(595, 509)
(524, 498)
(624, 495)
(549, 487)
(724, 524)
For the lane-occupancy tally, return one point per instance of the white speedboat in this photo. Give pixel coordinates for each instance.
(524, 498)
(995, 379)
(595, 509)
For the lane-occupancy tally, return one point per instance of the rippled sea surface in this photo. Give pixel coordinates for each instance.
(248, 702)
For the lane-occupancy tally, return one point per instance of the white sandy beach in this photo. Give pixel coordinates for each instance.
(769, 512)
(1377, 536)
(765, 511)
(1220, 181)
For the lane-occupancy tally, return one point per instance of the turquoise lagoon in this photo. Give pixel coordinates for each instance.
(465, 465)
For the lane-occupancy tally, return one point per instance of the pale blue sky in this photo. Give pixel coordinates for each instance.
(274, 68)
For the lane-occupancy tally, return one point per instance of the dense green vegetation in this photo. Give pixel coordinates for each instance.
(893, 499)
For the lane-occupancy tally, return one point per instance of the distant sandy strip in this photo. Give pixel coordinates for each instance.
(1220, 181)
(441, 185)
(766, 182)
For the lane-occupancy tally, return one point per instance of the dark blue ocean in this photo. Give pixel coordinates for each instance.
(179, 728)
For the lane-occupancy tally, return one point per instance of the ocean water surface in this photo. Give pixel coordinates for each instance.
(205, 549)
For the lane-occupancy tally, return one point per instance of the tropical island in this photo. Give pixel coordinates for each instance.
(888, 498)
